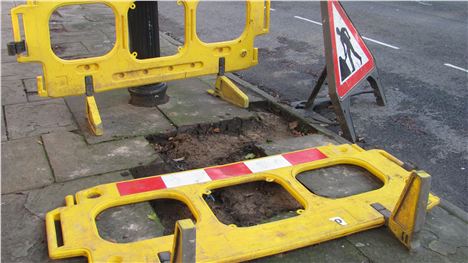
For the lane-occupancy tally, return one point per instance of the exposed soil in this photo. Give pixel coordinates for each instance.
(221, 145)
(252, 203)
(169, 211)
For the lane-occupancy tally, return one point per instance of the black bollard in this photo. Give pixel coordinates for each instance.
(143, 27)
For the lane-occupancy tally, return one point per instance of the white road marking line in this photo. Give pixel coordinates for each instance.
(369, 39)
(424, 3)
(308, 20)
(455, 67)
(381, 43)
(272, 9)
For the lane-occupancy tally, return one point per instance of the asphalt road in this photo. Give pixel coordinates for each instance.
(422, 56)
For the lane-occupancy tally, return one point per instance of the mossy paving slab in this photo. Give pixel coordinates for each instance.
(191, 105)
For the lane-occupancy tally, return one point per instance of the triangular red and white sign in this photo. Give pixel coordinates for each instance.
(351, 58)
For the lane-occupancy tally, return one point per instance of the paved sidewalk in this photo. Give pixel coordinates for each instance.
(48, 153)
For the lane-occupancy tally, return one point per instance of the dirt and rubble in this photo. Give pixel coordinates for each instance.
(217, 145)
(222, 143)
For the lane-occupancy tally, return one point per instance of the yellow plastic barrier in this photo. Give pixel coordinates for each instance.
(120, 68)
(321, 219)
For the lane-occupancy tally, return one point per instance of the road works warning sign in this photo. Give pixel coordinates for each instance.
(349, 63)
(352, 59)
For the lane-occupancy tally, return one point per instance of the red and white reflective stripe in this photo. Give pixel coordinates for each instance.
(218, 172)
(185, 178)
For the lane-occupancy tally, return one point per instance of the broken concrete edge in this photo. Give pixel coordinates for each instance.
(267, 97)
(285, 109)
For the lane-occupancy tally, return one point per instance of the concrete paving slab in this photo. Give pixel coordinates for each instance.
(448, 232)
(77, 36)
(71, 158)
(13, 92)
(7, 33)
(33, 97)
(24, 165)
(339, 181)
(5, 57)
(168, 45)
(36, 118)
(21, 70)
(296, 143)
(191, 105)
(30, 85)
(41, 201)
(4, 135)
(23, 233)
(70, 50)
(98, 47)
(120, 119)
(31, 91)
(129, 223)
(339, 250)
(120, 224)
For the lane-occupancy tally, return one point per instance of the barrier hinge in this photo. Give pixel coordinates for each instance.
(92, 111)
(221, 66)
(382, 210)
(89, 86)
(15, 48)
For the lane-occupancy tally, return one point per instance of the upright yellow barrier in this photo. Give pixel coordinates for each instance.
(120, 68)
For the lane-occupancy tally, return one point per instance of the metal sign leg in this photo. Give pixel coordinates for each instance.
(379, 94)
(318, 86)
(343, 114)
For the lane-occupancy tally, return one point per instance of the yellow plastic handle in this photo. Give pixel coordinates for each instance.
(51, 217)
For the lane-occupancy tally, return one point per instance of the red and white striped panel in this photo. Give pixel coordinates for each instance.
(218, 172)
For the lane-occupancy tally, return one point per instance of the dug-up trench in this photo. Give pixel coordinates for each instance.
(241, 205)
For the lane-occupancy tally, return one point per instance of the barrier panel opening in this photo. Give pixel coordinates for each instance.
(147, 21)
(141, 221)
(171, 26)
(339, 181)
(230, 17)
(252, 203)
(77, 33)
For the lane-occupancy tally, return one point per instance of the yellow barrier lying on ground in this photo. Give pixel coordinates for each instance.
(401, 203)
(120, 68)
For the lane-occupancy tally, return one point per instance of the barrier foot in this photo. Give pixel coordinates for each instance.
(184, 245)
(228, 91)
(94, 119)
(92, 111)
(409, 214)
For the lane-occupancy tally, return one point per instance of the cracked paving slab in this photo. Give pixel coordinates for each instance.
(24, 165)
(23, 233)
(71, 158)
(443, 239)
(191, 105)
(36, 118)
(119, 118)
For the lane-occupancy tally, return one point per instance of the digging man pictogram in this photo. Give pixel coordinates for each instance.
(348, 49)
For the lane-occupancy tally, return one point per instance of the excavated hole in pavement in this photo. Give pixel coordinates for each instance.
(203, 146)
(225, 142)
(252, 203)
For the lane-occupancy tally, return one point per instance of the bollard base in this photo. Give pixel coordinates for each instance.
(149, 95)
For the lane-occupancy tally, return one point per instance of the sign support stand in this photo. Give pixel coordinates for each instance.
(349, 63)
(315, 91)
